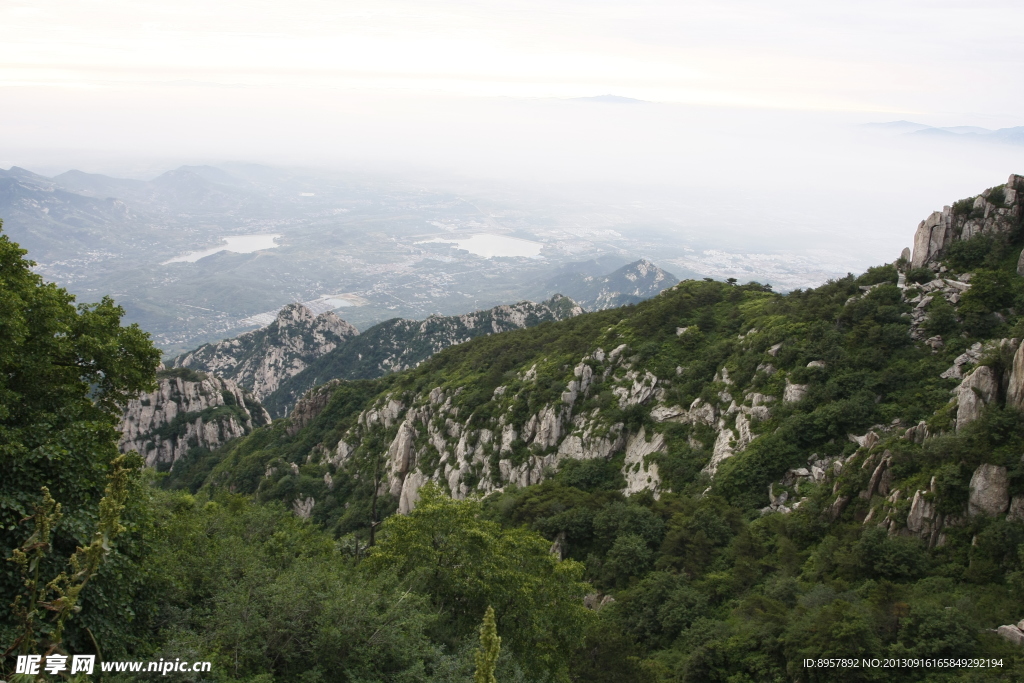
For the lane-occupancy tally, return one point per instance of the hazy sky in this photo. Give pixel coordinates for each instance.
(756, 104)
(941, 59)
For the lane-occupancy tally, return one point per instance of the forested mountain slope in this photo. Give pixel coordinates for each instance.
(756, 478)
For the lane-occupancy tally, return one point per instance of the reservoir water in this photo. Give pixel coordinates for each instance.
(239, 244)
(489, 246)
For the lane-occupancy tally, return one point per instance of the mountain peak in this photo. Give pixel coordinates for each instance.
(630, 284)
(262, 359)
(294, 313)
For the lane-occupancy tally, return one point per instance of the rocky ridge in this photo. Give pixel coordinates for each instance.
(262, 359)
(431, 439)
(187, 412)
(993, 212)
(396, 345)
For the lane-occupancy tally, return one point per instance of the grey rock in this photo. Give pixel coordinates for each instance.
(183, 401)
(921, 518)
(918, 433)
(1016, 512)
(933, 235)
(640, 473)
(989, 491)
(1012, 633)
(1015, 387)
(262, 359)
(410, 494)
(559, 547)
(794, 392)
(303, 507)
(977, 390)
(867, 441)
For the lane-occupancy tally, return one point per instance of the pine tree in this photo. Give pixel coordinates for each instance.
(490, 646)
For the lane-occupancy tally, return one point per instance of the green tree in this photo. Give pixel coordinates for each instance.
(464, 563)
(490, 646)
(262, 592)
(66, 372)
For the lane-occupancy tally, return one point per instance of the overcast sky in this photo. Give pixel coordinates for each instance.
(767, 94)
(940, 59)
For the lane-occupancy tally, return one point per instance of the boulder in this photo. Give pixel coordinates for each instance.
(977, 390)
(933, 235)
(1015, 387)
(794, 392)
(990, 491)
(918, 433)
(1012, 633)
(867, 441)
(921, 518)
(410, 494)
(1016, 513)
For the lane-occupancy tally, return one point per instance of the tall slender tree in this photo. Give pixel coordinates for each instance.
(490, 648)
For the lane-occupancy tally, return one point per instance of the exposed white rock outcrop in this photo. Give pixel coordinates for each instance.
(721, 451)
(993, 212)
(1012, 632)
(1016, 511)
(260, 360)
(918, 433)
(303, 507)
(989, 491)
(1015, 385)
(640, 473)
(163, 425)
(977, 390)
(794, 392)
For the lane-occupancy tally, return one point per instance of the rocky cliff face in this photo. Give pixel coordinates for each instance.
(994, 212)
(183, 414)
(431, 439)
(261, 360)
(399, 344)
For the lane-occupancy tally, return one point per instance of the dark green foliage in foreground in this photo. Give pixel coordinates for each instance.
(65, 373)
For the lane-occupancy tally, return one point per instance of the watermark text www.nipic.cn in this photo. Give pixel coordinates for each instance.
(33, 665)
(897, 663)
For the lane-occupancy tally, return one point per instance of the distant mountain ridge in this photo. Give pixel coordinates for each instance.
(629, 284)
(262, 359)
(400, 344)
(1013, 135)
(65, 224)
